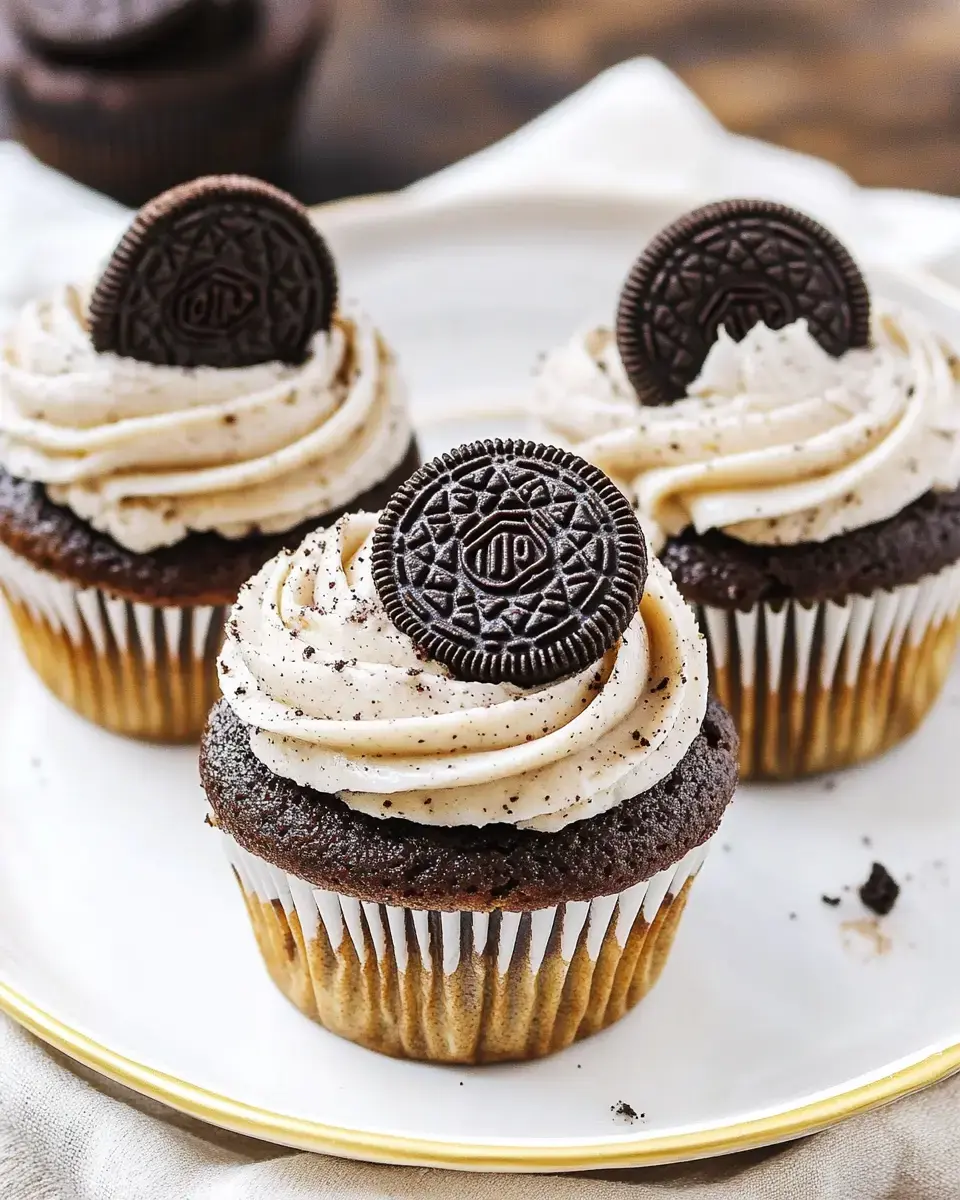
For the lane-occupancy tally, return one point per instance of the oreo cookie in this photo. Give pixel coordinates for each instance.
(221, 272)
(732, 265)
(105, 28)
(510, 561)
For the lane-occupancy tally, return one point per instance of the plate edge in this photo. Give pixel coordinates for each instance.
(304, 1134)
(297, 1132)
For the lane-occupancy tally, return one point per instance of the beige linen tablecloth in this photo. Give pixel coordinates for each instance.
(63, 1137)
(633, 132)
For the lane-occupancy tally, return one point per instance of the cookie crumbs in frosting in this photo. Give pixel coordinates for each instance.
(453, 752)
(149, 454)
(774, 435)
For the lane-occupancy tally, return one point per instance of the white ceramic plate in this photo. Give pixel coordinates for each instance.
(123, 938)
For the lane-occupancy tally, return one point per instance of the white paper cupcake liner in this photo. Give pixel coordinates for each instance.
(138, 669)
(462, 986)
(819, 687)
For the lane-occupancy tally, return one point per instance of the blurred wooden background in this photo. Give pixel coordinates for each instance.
(409, 85)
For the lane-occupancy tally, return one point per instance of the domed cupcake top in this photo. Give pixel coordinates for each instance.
(730, 266)
(223, 272)
(510, 561)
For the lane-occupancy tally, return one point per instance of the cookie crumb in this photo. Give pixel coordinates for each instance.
(881, 890)
(623, 1109)
(833, 901)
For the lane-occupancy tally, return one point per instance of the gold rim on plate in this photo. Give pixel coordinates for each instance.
(316, 1136)
(412, 1151)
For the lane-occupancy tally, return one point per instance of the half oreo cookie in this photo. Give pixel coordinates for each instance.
(510, 561)
(221, 272)
(732, 265)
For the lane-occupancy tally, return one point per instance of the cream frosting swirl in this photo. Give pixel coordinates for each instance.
(339, 700)
(776, 442)
(149, 454)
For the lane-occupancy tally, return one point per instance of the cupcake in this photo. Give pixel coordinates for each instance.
(796, 458)
(165, 433)
(132, 99)
(465, 768)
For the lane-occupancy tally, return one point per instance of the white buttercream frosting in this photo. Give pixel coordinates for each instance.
(776, 442)
(339, 700)
(149, 454)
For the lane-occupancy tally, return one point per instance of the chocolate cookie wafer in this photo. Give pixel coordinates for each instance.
(222, 272)
(732, 265)
(510, 561)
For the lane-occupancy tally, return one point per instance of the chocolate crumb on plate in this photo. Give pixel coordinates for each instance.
(881, 890)
(623, 1109)
(833, 901)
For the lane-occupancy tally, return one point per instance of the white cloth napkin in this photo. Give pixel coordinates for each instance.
(637, 131)
(634, 131)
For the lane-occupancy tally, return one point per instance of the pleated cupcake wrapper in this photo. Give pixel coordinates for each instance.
(464, 987)
(138, 669)
(820, 687)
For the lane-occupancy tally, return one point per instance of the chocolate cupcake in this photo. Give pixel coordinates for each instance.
(465, 769)
(797, 460)
(133, 99)
(164, 434)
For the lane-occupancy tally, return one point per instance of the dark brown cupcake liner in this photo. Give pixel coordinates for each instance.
(133, 137)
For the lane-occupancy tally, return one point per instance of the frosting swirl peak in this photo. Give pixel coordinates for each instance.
(341, 701)
(149, 454)
(776, 442)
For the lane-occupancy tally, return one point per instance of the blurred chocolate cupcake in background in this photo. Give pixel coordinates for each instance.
(131, 100)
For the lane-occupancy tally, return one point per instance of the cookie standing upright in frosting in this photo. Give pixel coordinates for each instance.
(486, 705)
(794, 451)
(164, 432)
